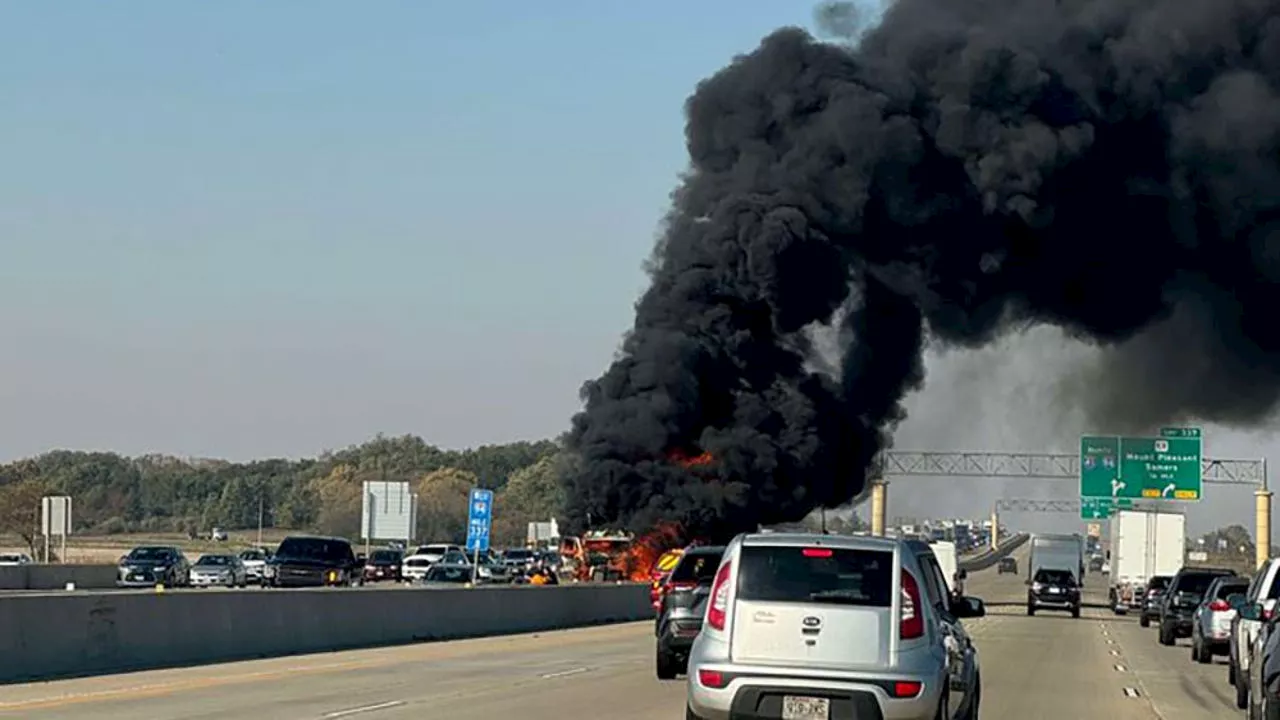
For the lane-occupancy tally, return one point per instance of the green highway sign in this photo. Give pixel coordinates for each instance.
(1165, 468)
(1102, 508)
(1095, 509)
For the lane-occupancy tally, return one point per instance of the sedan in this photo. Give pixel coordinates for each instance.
(383, 565)
(219, 571)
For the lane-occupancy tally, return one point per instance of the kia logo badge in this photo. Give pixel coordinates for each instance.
(812, 621)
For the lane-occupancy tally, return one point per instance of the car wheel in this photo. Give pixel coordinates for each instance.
(1195, 649)
(1231, 673)
(1167, 637)
(1144, 621)
(944, 706)
(1204, 657)
(665, 666)
(1270, 710)
(1242, 690)
(1075, 612)
(1031, 610)
(975, 701)
(689, 714)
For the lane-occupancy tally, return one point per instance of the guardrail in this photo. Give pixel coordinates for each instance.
(53, 635)
(991, 557)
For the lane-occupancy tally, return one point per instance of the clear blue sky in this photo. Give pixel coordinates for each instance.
(243, 229)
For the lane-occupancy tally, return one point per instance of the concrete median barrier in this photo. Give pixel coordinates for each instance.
(56, 577)
(62, 635)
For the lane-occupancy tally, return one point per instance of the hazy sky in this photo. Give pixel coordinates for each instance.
(245, 229)
(241, 229)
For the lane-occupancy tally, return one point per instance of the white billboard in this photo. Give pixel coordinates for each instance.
(390, 511)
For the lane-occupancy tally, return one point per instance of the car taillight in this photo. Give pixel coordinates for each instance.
(1267, 614)
(906, 688)
(719, 607)
(912, 609)
(712, 678)
(1219, 606)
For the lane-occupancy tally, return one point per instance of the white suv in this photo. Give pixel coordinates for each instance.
(819, 626)
(1264, 590)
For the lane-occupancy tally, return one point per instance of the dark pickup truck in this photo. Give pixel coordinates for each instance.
(303, 561)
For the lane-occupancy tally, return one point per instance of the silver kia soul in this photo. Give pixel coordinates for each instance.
(824, 627)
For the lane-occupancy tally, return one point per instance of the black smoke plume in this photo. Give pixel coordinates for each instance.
(968, 167)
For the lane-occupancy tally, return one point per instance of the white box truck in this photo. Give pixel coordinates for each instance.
(945, 552)
(1143, 544)
(1056, 552)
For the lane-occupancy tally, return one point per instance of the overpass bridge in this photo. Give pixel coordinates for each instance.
(1054, 466)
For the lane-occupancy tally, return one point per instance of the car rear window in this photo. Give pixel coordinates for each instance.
(1196, 583)
(1226, 589)
(1159, 582)
(1055, 577)
(697, 568)
(806, 575)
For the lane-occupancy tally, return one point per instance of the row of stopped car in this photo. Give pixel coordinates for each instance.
(303, 561)
(299, 561)
(818, 627)
(1224, 613)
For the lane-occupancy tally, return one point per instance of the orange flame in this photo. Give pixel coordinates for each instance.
(687, 461)
(640, 560)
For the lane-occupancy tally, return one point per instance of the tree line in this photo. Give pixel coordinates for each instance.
(114, 494)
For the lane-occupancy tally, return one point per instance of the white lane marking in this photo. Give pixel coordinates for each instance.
(564, 673)
(363, 709)
(1131, 692)
(1115, 652)
(1119, 668)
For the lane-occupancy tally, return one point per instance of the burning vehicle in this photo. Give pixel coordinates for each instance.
(596, 556)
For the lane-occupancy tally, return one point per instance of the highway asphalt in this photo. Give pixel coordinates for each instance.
(1050, 667)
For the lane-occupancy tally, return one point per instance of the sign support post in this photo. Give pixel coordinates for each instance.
(479, 522)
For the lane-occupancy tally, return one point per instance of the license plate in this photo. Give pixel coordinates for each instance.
(1054, 591)
(805, 708)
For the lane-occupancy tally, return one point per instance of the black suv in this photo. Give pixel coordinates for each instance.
(684, 600)
(1053, 589)
(1184, 595)
(1152, 598)
(302, 561)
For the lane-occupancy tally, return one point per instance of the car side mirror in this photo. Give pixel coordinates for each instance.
(963, 574)
(361, 559)
(1251, 611)
(968, 607)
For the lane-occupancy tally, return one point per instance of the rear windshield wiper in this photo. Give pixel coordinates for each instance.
(839, 597)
